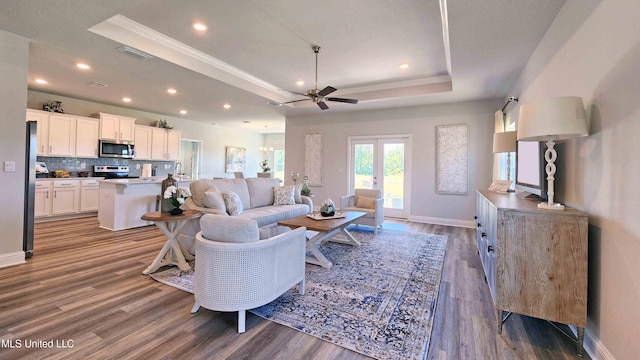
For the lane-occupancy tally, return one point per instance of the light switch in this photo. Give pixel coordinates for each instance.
(9, 166)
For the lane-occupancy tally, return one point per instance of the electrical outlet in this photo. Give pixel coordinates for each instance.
(137, 166)
(83, 165)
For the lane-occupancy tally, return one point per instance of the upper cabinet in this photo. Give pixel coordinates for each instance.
(165, 144)
(65, 135)
(62, 135)
(142, 142)
(42, 118)
(87, 137)
(117, 128)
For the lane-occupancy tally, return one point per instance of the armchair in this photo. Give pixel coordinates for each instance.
(236, 271)
(369, 201)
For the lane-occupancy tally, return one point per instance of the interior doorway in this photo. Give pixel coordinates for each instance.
(384, 163)
(190, 158)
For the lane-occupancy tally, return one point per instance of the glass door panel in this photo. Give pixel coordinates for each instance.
(393, 175)
(363, 166)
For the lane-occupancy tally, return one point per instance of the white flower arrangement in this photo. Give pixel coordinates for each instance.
(177, 195)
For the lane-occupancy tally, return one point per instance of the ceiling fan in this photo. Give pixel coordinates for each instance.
(319, 96)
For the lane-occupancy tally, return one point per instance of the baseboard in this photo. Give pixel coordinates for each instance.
(442, 221)
(10, 259)
(595, 348)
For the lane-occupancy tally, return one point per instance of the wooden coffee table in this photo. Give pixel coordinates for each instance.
(326, 230)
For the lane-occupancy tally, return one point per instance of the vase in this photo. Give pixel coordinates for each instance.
(305, 187)
(165, 204)
(327, 208)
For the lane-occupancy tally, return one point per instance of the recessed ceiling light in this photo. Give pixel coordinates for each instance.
(183, 112)
(126, 99)
(300, 82)
(83, 66)
(226, 106)
(172, 91)
(200, 26)
(404, 66)
(41, 81)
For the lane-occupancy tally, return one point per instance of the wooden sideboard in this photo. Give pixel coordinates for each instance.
(535, 261)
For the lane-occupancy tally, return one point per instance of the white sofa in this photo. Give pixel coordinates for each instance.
(237, 271)
(256, 195)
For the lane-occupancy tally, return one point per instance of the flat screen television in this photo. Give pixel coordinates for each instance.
(531, 176)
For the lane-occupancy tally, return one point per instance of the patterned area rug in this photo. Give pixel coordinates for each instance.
(377, 299)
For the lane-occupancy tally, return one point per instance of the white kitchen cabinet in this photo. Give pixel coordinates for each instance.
(43, 196)
(173, 145)
(87, 130)
(66, 197)
(165, 144)
(143, 136)
(116, 127)
(42, 118)
(89, 195)
(62, 135)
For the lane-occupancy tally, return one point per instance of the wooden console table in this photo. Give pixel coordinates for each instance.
(171, 226)
(535, 261)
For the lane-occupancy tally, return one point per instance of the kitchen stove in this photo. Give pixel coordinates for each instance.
(113, 172)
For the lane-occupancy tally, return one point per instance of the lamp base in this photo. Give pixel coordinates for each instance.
(553, 206)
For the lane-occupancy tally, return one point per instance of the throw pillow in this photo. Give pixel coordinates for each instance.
(213, 199)
(296, 194)
(232, 202)
(284, 195)
(365, 202)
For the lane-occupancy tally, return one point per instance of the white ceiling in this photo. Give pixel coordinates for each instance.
(254, 51)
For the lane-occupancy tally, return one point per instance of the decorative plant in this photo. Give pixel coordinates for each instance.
(265, 165)
(305, 187)
(177, 195)
(163, 124)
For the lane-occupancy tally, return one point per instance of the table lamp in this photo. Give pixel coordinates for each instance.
(505, 142)
(552, 120)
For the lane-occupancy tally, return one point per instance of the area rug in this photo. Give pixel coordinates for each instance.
(377, 299)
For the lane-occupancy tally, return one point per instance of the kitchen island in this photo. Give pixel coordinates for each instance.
(124, 201)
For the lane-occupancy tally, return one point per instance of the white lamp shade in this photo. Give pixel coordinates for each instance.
(504, 142)
(552, 119)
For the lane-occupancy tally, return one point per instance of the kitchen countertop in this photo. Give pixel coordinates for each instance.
(141, 181)
(70, 178)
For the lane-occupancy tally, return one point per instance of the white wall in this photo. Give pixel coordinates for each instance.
(592, 50)
(420, 121)
(14, 54)
(215, 138)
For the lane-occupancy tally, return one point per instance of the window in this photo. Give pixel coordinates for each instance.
(278, 164)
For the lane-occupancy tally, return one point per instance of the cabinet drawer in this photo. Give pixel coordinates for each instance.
(43, 184)
(65, 184)
(89, 183)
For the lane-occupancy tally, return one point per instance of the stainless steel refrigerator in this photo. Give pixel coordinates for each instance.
(29, 188)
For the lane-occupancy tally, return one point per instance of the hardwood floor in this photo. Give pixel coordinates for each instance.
(85, 291)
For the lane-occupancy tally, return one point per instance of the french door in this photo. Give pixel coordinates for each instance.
(383, 163)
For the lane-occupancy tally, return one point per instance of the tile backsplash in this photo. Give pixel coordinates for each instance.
(73, 165)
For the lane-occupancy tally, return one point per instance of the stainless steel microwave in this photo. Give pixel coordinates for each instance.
(116, 149)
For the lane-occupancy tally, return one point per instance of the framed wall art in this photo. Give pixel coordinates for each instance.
(452, 159)
(235, 159)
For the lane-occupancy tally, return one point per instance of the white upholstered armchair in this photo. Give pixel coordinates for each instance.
(236, 271)
(369, 201)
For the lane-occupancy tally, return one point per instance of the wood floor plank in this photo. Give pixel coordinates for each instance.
(85, 284)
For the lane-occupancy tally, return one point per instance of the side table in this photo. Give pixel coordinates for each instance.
(171, 226)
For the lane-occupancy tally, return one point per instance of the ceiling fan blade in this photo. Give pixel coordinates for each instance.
(322, 105)
(350, 101)
(292, 101)
(326, 91)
